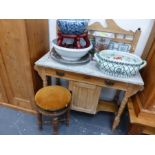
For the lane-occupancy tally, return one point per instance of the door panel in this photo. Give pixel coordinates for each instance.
(16, 73)
(84, 96)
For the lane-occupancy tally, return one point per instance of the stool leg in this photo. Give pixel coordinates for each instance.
(55, 124)
(67, 117)
(40, 123)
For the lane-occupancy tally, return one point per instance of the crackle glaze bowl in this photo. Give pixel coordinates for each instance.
(118, 63)
(72, 26)
(70, 53)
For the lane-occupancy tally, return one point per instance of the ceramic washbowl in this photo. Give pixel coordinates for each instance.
(118, 63)
(69, 53)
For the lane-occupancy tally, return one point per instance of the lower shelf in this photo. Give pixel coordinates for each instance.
(107, 106)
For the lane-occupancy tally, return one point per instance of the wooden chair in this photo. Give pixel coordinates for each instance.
(53, 101)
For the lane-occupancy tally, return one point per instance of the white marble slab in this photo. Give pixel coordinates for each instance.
(87, 69)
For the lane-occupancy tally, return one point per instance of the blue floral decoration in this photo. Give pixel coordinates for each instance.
(72, 26)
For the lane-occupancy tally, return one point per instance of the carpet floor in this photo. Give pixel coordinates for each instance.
(14, 122)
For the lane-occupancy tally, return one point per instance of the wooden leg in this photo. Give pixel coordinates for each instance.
(135, 129)
(116, 99)
(40, 123)
(120, 111)
(67, 117)
(55, 124)
(131, 90)
(44, 78)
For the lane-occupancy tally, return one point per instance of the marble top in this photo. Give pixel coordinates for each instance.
(86, 69)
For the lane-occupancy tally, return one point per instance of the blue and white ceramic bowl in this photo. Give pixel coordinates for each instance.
(72, 26)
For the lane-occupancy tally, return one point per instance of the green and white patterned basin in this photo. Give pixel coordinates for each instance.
(117, 63)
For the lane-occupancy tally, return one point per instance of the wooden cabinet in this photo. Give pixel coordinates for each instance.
(22, 42)
(142, 106)
(84, 97)
(147, 97)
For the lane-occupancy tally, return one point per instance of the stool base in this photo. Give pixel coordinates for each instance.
(55, 118)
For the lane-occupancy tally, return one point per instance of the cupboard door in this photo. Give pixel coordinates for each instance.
(84, 97)
(16, 74)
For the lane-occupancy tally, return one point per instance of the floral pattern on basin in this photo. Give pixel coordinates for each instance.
(120, 58)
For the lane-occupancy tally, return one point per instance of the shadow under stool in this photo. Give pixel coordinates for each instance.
(53, 101)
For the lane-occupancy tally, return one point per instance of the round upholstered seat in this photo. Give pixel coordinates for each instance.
(53, 98)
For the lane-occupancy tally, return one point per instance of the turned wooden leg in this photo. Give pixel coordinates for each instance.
(135, 129)
(120, 111)
(40, 123)
(131, 90)
(67, 118)
(44, 78)
(55, 124)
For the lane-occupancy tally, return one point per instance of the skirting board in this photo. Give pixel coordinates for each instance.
(17, 108)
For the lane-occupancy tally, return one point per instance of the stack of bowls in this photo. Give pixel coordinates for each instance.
(71, 27)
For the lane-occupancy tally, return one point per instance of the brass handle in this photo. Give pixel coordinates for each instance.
(60, 73)
(109, 82)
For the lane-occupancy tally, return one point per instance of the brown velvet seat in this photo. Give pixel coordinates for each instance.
(53, 98)
(53, 101)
